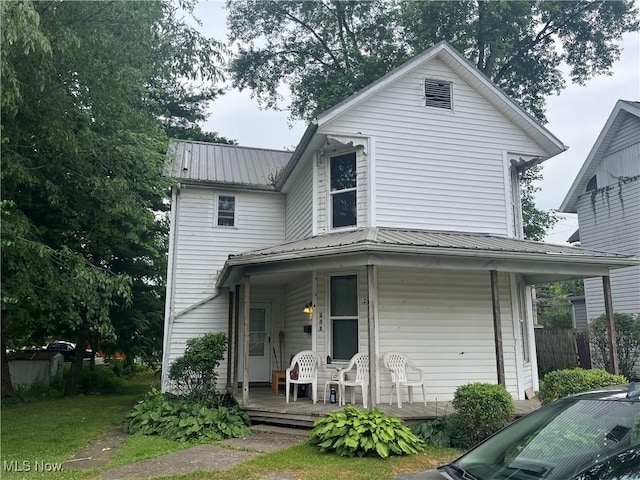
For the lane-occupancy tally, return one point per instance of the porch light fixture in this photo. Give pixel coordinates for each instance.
(308, 309)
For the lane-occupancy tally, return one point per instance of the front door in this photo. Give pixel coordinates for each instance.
(260, 343)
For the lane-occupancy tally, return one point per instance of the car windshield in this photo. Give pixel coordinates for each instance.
(557, 442)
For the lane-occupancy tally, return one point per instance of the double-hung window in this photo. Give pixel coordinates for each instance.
(343, 311)
(226, 211)
(343, 191)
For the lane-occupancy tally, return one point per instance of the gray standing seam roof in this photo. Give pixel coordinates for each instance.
(220, 164)
(417, 238)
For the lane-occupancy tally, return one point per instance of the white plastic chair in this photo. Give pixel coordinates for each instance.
(397, 363)
(361, 362)
(308, 362)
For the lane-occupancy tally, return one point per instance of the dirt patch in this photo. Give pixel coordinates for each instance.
(99, 453)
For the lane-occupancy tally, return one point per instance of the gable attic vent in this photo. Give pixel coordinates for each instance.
(437, 94)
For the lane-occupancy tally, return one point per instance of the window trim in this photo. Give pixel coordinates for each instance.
(331, 193)
(216, 218)
(340, 318)
(523, 319)
(516, 203)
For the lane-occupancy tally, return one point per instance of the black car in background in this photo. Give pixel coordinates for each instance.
(67, 349)
(589, 436)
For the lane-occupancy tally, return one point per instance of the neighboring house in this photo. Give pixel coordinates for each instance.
(578, 311)
(396, 221)
(606, 197)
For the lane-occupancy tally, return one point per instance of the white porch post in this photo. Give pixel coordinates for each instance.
(497, 326)
(371, 330)
(245, 352)
(611, 325)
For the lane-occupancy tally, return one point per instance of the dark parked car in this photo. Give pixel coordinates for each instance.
(67, 349)
(589, 436)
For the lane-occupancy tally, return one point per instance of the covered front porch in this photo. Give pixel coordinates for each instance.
(266, 407)
(457, 304)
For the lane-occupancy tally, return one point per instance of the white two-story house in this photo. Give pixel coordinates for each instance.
(606, 196)
(396, 222)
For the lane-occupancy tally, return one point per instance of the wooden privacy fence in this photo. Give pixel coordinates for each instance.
(561, 348)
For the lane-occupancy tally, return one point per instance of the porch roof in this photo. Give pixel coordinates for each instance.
(540, 262)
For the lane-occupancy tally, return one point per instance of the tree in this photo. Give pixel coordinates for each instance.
(326, 50)
(627, 342)
(86, 89)
(553, 308)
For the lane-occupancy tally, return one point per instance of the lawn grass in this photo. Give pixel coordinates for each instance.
(306, 462)
(141, 447)
(52, 430)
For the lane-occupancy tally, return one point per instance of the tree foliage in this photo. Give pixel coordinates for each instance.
(552, 306)
(326, 50)
(627, 329)
(88, 93)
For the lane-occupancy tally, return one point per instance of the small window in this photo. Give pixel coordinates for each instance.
(437, 94)
(226, 211)
(344, 316)
(592, 185)
(343, 191)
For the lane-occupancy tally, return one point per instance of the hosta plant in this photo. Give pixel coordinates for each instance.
(183, 420)
(354, 432)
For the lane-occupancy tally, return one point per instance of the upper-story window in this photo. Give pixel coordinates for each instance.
(226, 211)
(592, 185)
(343, 190)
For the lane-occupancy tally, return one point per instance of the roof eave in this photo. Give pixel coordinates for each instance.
(297, 154)
(239, 261)
(569, 204)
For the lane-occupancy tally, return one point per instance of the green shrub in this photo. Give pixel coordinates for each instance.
(98, 379)
(194, 375)
(438, 432)
(561, 383)
(353, 432)
(481, 410)
(183, 420)
(627, 342)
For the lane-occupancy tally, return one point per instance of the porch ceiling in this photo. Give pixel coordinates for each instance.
(538, 262)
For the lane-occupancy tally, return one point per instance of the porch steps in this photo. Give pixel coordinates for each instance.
(283, 419)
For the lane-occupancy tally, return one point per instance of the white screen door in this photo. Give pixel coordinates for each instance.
(259, 344)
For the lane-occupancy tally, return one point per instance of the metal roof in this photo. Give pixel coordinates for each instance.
(228, 165)
(465, 247)
(418, 238)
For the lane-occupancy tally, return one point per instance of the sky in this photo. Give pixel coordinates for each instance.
(576, 116)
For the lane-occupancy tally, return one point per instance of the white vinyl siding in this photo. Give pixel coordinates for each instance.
(607, 226)
(296, 295)
(299, 204)
(201, 249)
(443, 321)
(436, 169)
(627, 135)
